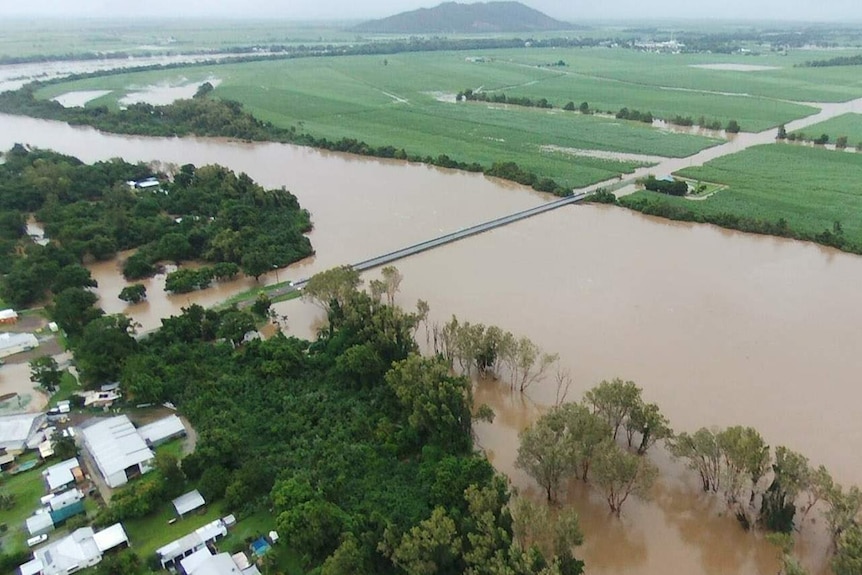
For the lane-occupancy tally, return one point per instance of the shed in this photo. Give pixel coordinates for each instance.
(173, 552)
(188, 502)
(62, 475)
(17, 430)
(162, 430)
(65, 499)
(120, 453)
(8, 316)
(12, 343)
(111, 538)
(39, 523)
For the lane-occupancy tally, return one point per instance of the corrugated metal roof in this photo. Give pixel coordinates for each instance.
(162, 429)
(188, 502)
(16, 429)
(61, 474)
(110, 537)
(115, 445)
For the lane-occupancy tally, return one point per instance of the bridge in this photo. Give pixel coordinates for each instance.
(390, 257)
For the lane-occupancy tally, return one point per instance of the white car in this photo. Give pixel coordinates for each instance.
(33, 541)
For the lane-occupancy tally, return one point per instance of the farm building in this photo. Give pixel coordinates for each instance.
(20, 431)
(63, 475)
(118, 450)
(82, 549)
(12, 343)
(188, 502)
(163, 430)
(174, 552)
(8, 317)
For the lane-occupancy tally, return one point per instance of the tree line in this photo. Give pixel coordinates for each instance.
(202, 116)
(603, 440)
(833, 237)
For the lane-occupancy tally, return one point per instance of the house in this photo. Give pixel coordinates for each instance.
(151, 183)
(81, 549)
(174, 552)
(188, 502)
(8, 317)
(39, 523)
(204, 562)
(65, 505)
(118, 450)
(99, 398)
(20, 431)
(63, 475)
(12, 343)
(163, 430)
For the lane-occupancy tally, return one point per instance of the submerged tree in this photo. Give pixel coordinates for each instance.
(619, 474)
(545, 452)
(614, 401)
(702, 453)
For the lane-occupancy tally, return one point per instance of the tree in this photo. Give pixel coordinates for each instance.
(234, 325)
(104, 347)
(584, 108)
(429, 548)
(169, 467)
(614, 401)
(261, 305)
(138, 266)
(782, 133)
(619, 474)
(570, 107)
(527, 362)
(65, 448)
(818, 487)
(73, 309)
(732, 127)
(255, 263)
(585, 433)
(790, 476)
(841, 143)
(545, 452)
(313, 527)
(438, 404)
(347, 559)
(45, 372)
(650, 423)
(332, 286)
(848, 555)
(746, 458)
(703, 454)
(843, 509)
(134, 293)
(392, 283)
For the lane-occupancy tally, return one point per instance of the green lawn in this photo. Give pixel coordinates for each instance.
(849, 125)
(810, 188)
(26, 488)
(68, 386)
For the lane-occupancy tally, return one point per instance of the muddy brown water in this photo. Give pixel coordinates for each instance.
(718, 327)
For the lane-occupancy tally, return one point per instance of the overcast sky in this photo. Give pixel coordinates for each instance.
(571, 10)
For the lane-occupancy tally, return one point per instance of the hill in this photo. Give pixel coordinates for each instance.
(454, 18)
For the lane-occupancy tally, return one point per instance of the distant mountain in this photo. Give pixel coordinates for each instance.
(454, 18)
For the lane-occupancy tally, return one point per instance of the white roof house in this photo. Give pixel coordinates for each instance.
(118, 449)
(162, 430)
(64, 499)
(66, 555)
(188, 502)
(183, 547)
(203, 562)
(12, 343)
(39, 523)
(17, 430)
(82, 549)
(62, 474)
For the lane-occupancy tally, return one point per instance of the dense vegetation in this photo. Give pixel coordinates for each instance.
(855, 60)
(361, 448)
(90, 213)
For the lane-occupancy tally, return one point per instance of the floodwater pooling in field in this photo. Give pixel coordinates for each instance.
(164, 93)
(719, 327)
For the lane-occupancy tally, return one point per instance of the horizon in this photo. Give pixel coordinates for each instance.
(333, 11)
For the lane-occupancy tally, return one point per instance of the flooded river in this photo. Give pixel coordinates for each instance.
(719, 327)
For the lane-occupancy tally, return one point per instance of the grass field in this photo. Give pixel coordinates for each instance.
(810, 188)
(849, 125)
(26, 488)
